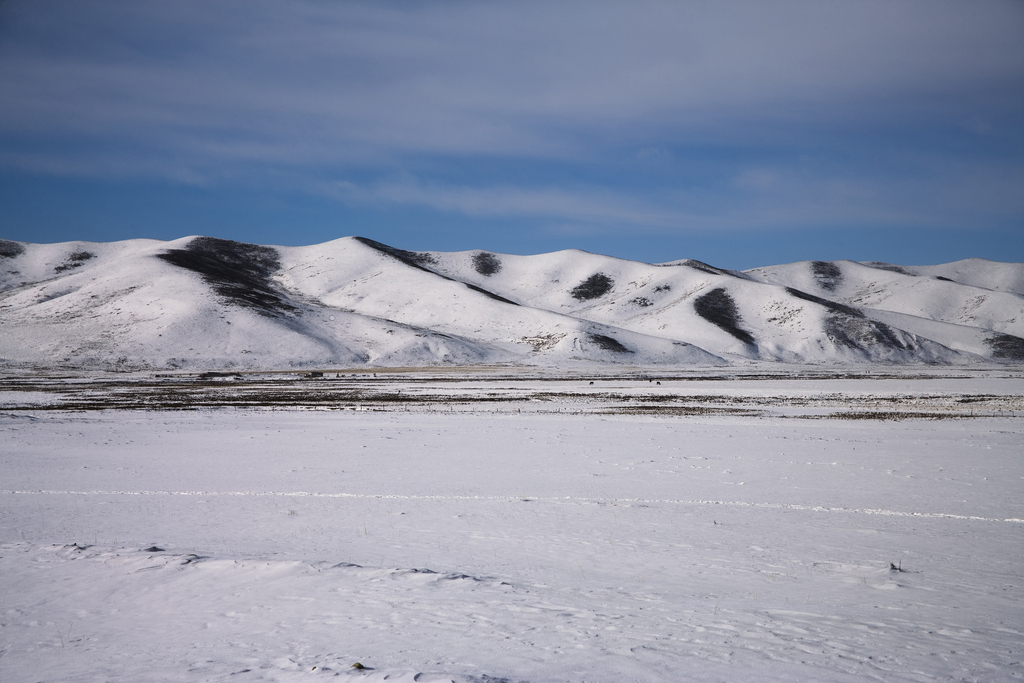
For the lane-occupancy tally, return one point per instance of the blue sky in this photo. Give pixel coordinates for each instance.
(738, 133)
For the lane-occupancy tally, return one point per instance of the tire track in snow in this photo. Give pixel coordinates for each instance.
(565, 499)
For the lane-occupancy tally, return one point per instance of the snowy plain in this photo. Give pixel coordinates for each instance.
(514, 524)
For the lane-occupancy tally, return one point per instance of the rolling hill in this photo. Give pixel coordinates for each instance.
(207, 303)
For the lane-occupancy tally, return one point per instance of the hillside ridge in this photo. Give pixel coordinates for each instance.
(208, 303)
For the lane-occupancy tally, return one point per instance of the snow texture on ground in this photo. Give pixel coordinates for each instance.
(498, 542)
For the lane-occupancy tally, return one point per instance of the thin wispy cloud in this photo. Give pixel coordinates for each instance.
(511, 201)
(761, 198)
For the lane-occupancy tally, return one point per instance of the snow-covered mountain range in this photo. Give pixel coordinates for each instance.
(207, 303)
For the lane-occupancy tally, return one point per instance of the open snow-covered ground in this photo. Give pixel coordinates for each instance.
(514, 525)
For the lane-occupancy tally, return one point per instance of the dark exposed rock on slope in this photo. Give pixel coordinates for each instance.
(860, 333)
(704, 267)
(827, 274)
(831, 305)
(1006, 346)
(719, 308)
(9, 249)
(415, 259)
(420, 260)
(606, 343)
(878, 265)
(486, 263)
(238, 272)
(594, 287)
(847, 326)
(74, 260)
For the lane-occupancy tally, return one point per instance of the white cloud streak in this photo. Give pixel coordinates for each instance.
(510, 202)
(764, 198)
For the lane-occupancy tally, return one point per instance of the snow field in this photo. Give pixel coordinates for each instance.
(525, 547)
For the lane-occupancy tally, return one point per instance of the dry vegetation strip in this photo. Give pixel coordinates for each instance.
(394, 394)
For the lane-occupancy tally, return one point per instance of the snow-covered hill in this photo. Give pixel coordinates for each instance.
(207, 303)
